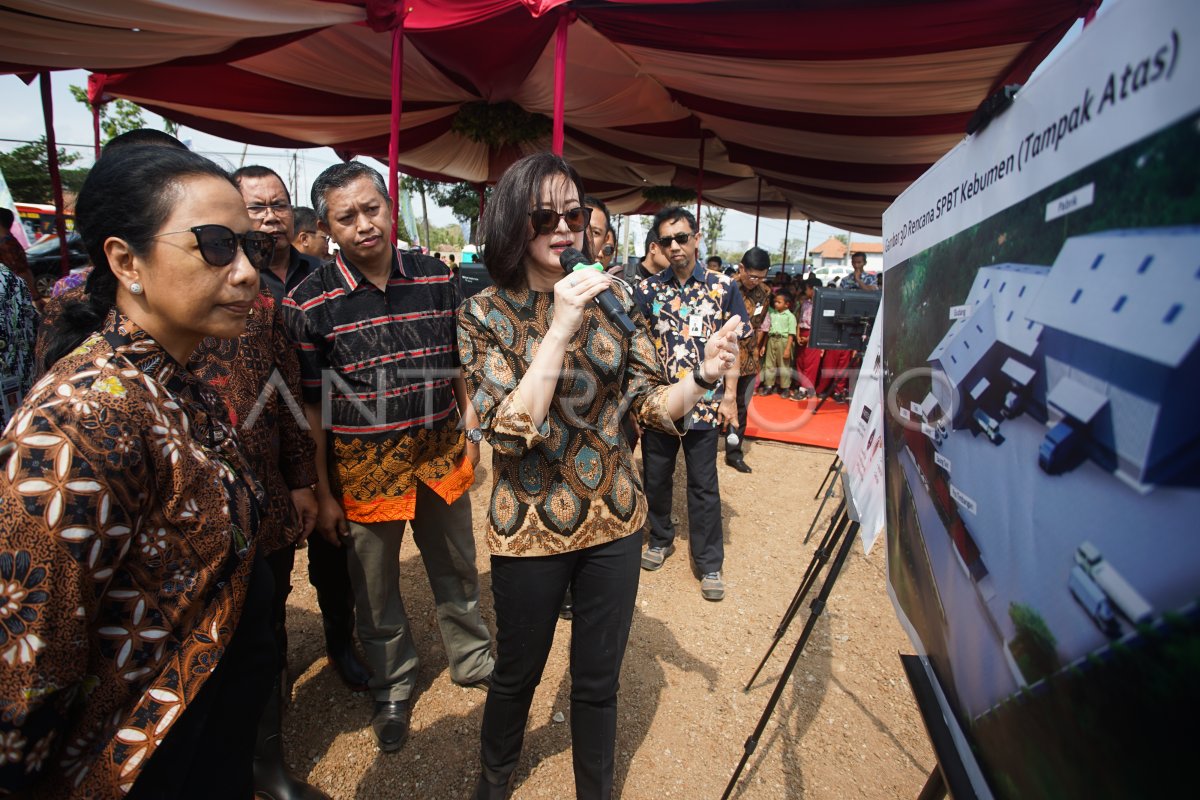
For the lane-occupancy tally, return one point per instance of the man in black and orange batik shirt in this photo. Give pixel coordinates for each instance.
(384, 395)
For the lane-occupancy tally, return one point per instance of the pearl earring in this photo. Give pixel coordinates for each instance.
(135, 288)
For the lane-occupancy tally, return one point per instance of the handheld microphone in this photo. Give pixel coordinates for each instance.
(572, 261)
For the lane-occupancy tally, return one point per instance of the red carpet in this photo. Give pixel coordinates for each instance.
(781, 420)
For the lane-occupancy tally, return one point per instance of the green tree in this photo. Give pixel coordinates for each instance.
(714, 227)
(27, 170)
(424, 188)
(463, 201)
(116, 116)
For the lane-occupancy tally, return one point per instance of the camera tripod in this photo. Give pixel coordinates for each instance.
(840, 527)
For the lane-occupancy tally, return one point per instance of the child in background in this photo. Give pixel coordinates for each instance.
(776, 343)
(808, 359)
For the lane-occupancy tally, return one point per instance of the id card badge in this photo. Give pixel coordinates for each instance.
(758, 309)
(696, 326)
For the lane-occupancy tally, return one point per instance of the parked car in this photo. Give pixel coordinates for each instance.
(45, 264)
(831, 273)
(473, 277)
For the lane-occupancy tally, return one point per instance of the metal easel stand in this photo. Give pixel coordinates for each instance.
(818, 606)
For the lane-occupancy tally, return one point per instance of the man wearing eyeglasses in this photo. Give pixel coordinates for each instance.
(686, 304)
(308, 238)
(270, 208)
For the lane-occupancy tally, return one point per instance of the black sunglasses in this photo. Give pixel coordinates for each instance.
(545, 220)
(679, 238)
(218, 245)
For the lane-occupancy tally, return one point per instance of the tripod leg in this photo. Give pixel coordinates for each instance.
(834, 467)
(818, 606)
(820, 556)
(828, 494)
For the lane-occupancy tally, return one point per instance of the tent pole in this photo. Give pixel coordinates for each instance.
(807, 230)
(394, 133)
(757, 210)
(787, 224)
(96, 130)
(560, 80)
(60, 222)
(700, 184)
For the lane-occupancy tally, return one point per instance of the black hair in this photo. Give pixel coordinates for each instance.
(128, 194)
(591, 201)
(673, 214)
(339, 176)
(651, 238)
(711, 259)
(786, 296)
(258, 171)
(756, 259)
(6, 217)
(505, 227)
(813, 281)
(304, 218)
(143, 137)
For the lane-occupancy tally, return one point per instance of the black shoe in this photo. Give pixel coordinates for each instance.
(567, 609)
(484, 683)
(738, 463)
(272, 780)
(348, 667)
(390, 724)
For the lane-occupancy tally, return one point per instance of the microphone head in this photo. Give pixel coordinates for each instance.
(570, 258)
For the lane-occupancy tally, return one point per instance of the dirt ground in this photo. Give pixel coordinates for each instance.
(846, 724)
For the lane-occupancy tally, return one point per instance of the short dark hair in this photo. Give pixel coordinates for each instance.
(673, 214)
(128, 194)
(591, 201)
(756, 259)
(258, 171)
(814, 281)
(143, 137)
(785, 295)
(339, 176)
(6, 217)
(858, 253)
(711, 259)
(651, 237)
(304, 218)
(505, 226)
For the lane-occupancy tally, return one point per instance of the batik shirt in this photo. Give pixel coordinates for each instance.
(682, 317)
(381, 363)
(867, 278)
(18, 329)
(758, 303)
(127, 524)
(569, 483)
(258, 377)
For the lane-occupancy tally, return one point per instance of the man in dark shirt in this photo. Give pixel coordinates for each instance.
(686, 304)
(308, 237)
(751, 272)
(270, 207)
(384, 394)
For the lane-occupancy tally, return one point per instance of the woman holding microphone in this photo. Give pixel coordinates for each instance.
(551, 377)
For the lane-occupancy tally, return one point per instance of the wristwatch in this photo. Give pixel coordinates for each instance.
(699, 378)
(474, 435)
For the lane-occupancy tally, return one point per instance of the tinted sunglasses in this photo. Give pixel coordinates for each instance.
(545, 220)
(218, 245)
(680, 239)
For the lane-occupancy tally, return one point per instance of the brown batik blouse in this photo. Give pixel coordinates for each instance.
(127, 521)
(570, 483)
(258, 377)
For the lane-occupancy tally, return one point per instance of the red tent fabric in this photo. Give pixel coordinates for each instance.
(836, 106)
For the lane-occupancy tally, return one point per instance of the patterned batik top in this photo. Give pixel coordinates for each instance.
(127, 520)
(381, 365)
(867, 278)
(682, 317)
(18, 330)
(758, 303)
(258, 377)
(569, 483)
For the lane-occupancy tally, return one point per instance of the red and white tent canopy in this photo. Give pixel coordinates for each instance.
(829, 108)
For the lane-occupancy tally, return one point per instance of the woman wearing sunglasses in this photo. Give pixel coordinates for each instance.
(134, 634)
(551, 377)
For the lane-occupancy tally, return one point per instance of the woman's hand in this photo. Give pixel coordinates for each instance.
(571, 296)
(721, 350)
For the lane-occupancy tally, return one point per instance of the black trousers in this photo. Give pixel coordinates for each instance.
(703, 493)
(527, 594)
(209, 751)
(745, 392)
(328, 574)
